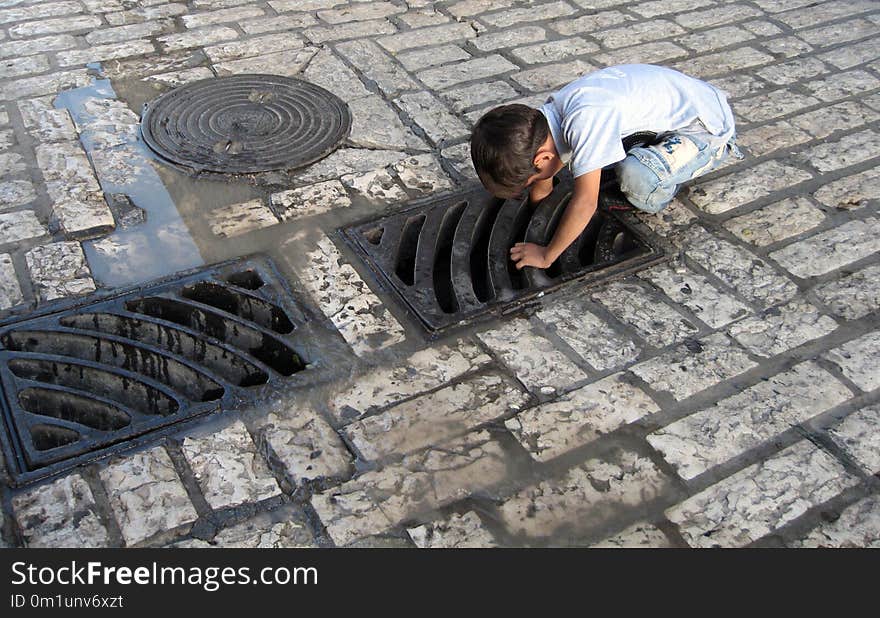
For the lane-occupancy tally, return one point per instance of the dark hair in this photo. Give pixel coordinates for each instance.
(503, 147)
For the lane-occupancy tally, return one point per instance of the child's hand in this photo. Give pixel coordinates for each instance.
(529, 254)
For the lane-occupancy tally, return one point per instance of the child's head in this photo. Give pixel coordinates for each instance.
(504, 148)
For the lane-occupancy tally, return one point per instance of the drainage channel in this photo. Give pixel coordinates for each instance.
(82, 382)
(448, 260)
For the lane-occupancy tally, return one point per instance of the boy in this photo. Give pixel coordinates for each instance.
(515, 147)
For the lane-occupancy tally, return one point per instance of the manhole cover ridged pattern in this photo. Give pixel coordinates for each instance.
(450, 260)
(246, 124)
(81, 380)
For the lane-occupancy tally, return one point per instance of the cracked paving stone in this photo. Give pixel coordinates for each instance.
(655, 321)
(258, 533)
(832, 249)
(238, 219)
(455, 532)
(769, 105)
(532, 357)
(580, 417)
(696, 292)
(853, 296)
(761, 498)
(658, 52)
(84, 217)
(422, 174)
(310, 200)
(509, 38)
(744, 272)
(60, 514)
(376, 125)
(782, 328)
(58, 270)
(693, 367)
(588, 496)
(361, 318)
(851, 192)
(146, 495)
(10, 290)
(19, 226)
(741, 187)
(435, 417)
(228, 467)
(424, 481)
(859, 359)
(748, 419)
(420, 372)
(857, 527)
(588, 335)
(842, 85)
(197, 38)
(346, 161)
(776, 222)
(377, 186)
(16, 193)
(857, 435)
(637, 536)
(307, 446)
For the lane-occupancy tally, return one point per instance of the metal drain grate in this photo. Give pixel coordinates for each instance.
(246, 124)
(449, 260)
(78, 381)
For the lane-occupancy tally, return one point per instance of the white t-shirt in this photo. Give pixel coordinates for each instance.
(590, 116)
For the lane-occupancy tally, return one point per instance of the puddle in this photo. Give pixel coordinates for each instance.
(159, 246)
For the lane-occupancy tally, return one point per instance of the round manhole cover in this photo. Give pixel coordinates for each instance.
(246, 124)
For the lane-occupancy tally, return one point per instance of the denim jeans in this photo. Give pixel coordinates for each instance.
(650, 176)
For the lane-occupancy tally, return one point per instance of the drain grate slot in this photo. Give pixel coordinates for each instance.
(129, 391)
(78, 382)
(465, 242)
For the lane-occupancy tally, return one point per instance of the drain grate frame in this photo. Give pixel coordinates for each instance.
(85, 379)
(447, 259)
(245, 124)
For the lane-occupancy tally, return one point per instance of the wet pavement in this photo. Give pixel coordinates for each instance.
(728, 397)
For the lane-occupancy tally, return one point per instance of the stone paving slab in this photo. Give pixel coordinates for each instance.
(580, 417)
(60, 514)
(146, 495)
(716, 434)
(761, 498)
(763, 326)
(228, 467)
(584, 498)
(857, 526)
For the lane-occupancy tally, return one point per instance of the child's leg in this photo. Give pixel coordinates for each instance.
(651, 176)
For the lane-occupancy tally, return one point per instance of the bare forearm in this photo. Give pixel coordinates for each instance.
(574, 220)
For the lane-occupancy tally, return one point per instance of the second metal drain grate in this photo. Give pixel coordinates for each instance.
(79, 381)
(449, 260)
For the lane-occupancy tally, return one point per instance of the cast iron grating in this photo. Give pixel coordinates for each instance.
(448, 260)
(78, 381)
(246, 124)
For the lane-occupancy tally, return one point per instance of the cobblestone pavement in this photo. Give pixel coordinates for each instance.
(727, 398)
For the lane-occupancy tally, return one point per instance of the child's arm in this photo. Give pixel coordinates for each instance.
(575, 218)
